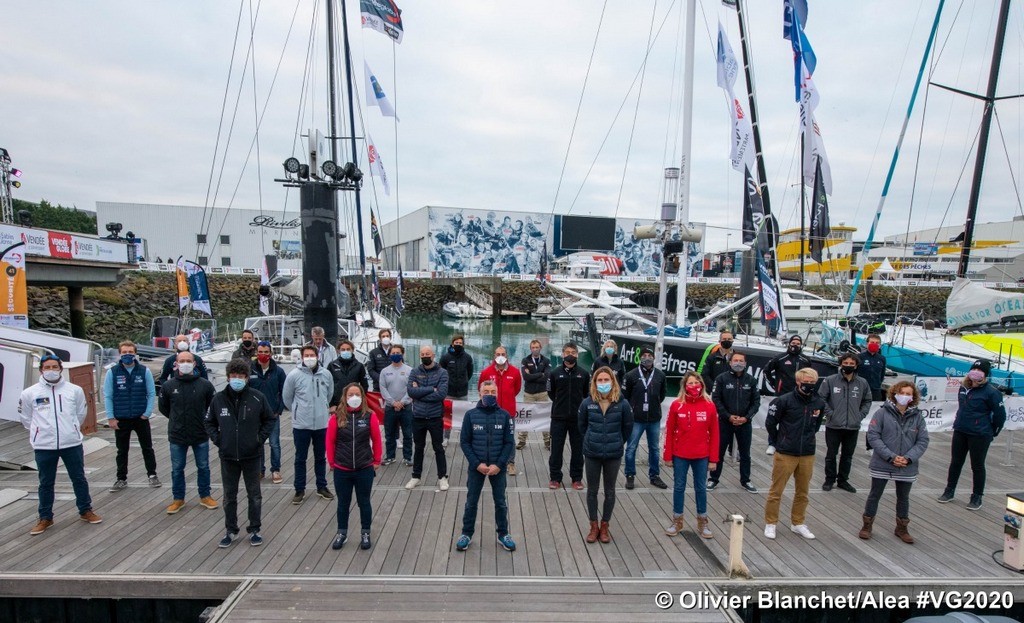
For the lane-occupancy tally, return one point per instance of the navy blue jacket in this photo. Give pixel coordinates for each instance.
(605, 434)
(168, 372)
(488, 437)
(872, 368)
(460, 370)
(736, 395)
(270, 384)
(614, 362)
(128, 393)
(981, 411)
(430, 391)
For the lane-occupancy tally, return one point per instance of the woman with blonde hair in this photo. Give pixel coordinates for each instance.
(354, 451)
(691, 443)
(605, 423)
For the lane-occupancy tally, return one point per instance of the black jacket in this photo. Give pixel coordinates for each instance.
(168, 371)
(239, 422)
(535, 375)
(981, 411)
(346, 371)
(605, 434)
(793, 421)
(872, 368)
(780, 373)
(638, 395)
(460, 370)
(716, 364)
(184, 400)
(567, 387)
(736, 395)
(244, 353)
(379, 359)
(615, 363)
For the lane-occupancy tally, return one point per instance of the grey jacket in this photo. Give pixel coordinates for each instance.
(307, 394)
(393, 383)
(846, 402)
(892, 434)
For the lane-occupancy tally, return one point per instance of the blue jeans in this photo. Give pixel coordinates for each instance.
(474, 486)
(179, 456)
(700, 483)
(275, 448)
(653, 430)
(393, 421)
(303, 438)
(362, 481)
(74, 463)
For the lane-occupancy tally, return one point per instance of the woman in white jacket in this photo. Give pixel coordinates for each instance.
(53, 411)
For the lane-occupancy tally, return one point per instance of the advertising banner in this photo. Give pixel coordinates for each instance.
(13, 287)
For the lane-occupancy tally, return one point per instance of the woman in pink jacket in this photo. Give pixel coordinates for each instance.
(354, 453)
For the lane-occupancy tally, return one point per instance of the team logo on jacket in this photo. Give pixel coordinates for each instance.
(702, 416)
(479, 427)
(43, 402)
(224, 412)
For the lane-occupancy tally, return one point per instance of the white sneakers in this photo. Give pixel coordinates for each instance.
(770, 451)
(769, 530)
(442, 484)
(413, 483)
(803, 531)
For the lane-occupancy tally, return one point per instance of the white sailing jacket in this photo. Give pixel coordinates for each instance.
(53, 414)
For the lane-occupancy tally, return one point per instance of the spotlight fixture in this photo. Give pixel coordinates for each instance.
(291, 165)
(304, 172)
(330, 168)
(352, 172)
(16, 183)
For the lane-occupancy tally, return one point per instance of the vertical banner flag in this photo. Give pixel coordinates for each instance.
(820, 227)
(376, 166)
(378, 242)
(375, 285)
(804, 60)
(375, 95)
(769, 297)
(181, 279)
(788, 6)
(198, 290)
(741, 153)
(264, 287)
(384, 16)
(14, 309)
(542, 275)
(755, 228)
(399, 305)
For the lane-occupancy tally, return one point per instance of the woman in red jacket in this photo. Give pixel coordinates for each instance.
(353, 452)
(691, 440)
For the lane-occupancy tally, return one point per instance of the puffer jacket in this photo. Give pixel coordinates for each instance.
(355, 446)
(378, 362)
(691, 430)
(346, 371)
(488, 437)
(431, 388)
(53, 414)
(307, 394)
(981, 411)
(847, 402)
(793, 421)
(605, 434)
(892, 434)
(238, 423)
(184, 400)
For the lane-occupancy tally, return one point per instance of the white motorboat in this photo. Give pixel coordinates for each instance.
(464, 310)
(803, 306)
(573, 308)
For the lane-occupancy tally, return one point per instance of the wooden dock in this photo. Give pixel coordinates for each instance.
(413, 571)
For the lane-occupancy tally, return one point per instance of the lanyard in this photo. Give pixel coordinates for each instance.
(647, 383)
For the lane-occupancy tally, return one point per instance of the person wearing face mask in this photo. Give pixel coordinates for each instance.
(779, 374)
(353, 452)
(645, 390)
(487, 440)
(184, 400)
(53, 411)
(394, 383)
(872, 366)
(610, 359)
(238, 422)
(129, 395)
(181, 344)
(535, 368)
(266, 377)
(898, 435)
(847, 398)
(509, 381)
(428, 386)
(717, 362)
(325, 352)
(737, 399)
(691, 443)
(459, 365)
(793, 421)
(346, 369)
(307, 393)
(979, 419)
(379, 357)
(247, 349)
(605, 420)
(568, 385)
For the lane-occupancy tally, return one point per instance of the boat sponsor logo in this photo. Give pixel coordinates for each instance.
(1015, 414)
(35, 242)
(264, 220)
(60, 246)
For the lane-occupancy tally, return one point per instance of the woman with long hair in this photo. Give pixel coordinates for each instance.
(354, 451)
(605, 423)
(691, 444)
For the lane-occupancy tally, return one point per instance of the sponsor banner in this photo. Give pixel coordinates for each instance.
(60, 245)
(13, 287)
(44, 243)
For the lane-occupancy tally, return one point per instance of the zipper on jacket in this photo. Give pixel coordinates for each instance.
(56, 414)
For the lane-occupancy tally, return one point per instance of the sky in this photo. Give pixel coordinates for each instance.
(133, 102)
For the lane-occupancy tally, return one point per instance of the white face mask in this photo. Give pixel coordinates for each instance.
(186, 368)
(903, 399)
(501, 360)
(385, 341)
(183, 345)
(310, 362)
(354, 401)
(51, 375)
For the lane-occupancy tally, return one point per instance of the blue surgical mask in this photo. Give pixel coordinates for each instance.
(609, 351)
(128, 359)
(604, 388)
(237, 384)
(396, 358)
(489, 401)
(345, 354)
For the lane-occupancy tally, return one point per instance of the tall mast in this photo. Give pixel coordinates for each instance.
(986, 126)
(803, 206)
(331, 81)
(352, 129)
(686, 163)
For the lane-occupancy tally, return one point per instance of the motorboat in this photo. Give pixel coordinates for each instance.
(803, 306)
(573, 306)
(464, 310)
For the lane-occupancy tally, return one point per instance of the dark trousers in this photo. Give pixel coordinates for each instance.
(361, 480)
(977, 447)
(393, 422)
(842, 442)
(596, 470)
(230, 472)
(743, 433)
(303, 438)
(74, 463)
(560, 429)
(420, 428)
(474, 486)
(902, 497)
(123, 437)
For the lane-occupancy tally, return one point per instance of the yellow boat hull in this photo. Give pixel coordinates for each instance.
(1005, 344)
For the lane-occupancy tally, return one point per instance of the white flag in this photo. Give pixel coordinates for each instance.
(264, 281)
(741, 153)
(375, 95)
(376, 166)
(814, 146)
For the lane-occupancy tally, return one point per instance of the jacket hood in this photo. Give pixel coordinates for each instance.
(892, 407)
(189, 378)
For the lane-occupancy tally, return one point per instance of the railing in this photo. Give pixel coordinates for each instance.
(478, 297)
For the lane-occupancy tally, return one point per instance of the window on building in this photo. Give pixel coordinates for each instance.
(200, 238)
(225, 261)
(225, 239)
(203, 260)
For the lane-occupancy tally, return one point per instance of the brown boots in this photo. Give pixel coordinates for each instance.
(605, 536)
(901, 530)
(599, 531)
(865, 532)
(594, 532)
(676, 527)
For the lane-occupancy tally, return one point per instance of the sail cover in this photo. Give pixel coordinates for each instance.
(971, 304)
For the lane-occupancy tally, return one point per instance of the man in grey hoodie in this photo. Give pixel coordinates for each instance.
(847, 398)
(307, 393)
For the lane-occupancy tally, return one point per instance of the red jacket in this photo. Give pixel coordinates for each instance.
(691, 431)
(509, 383)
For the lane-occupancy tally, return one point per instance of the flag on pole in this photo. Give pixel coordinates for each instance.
(376, 166)
(375, 95)
(804, 60)
(542, 275)
(399, 285)
(198, 289)
(769, 296)
(755, 227)
(375, 286)
(264, 287)
(820, 228)
(181, 280)
(741, 153)
(14, 305)
(788, 6)
(378, 242)
(810, 132)
(384, 16)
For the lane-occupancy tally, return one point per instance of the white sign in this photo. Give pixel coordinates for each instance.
(14, 366)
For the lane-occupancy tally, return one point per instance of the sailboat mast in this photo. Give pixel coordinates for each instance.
(803, 209)
(352, 129)
(331, 82)
(986, 126)
(686, 164)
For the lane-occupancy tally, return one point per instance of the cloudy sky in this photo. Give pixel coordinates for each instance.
(122, 100)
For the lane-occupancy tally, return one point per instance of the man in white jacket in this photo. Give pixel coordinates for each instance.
(53, 411)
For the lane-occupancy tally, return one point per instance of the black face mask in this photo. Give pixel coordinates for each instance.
(795, 349)
(247, 343)
(849, 369)
(647, 364)
(726, 344)
(570, 359)
(426, 361)
(805, 388)
(457, 349)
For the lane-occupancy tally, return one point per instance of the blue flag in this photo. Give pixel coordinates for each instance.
(769, 296)
(198, 290)
(399, 305)
(787, 14)
(803, 54)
